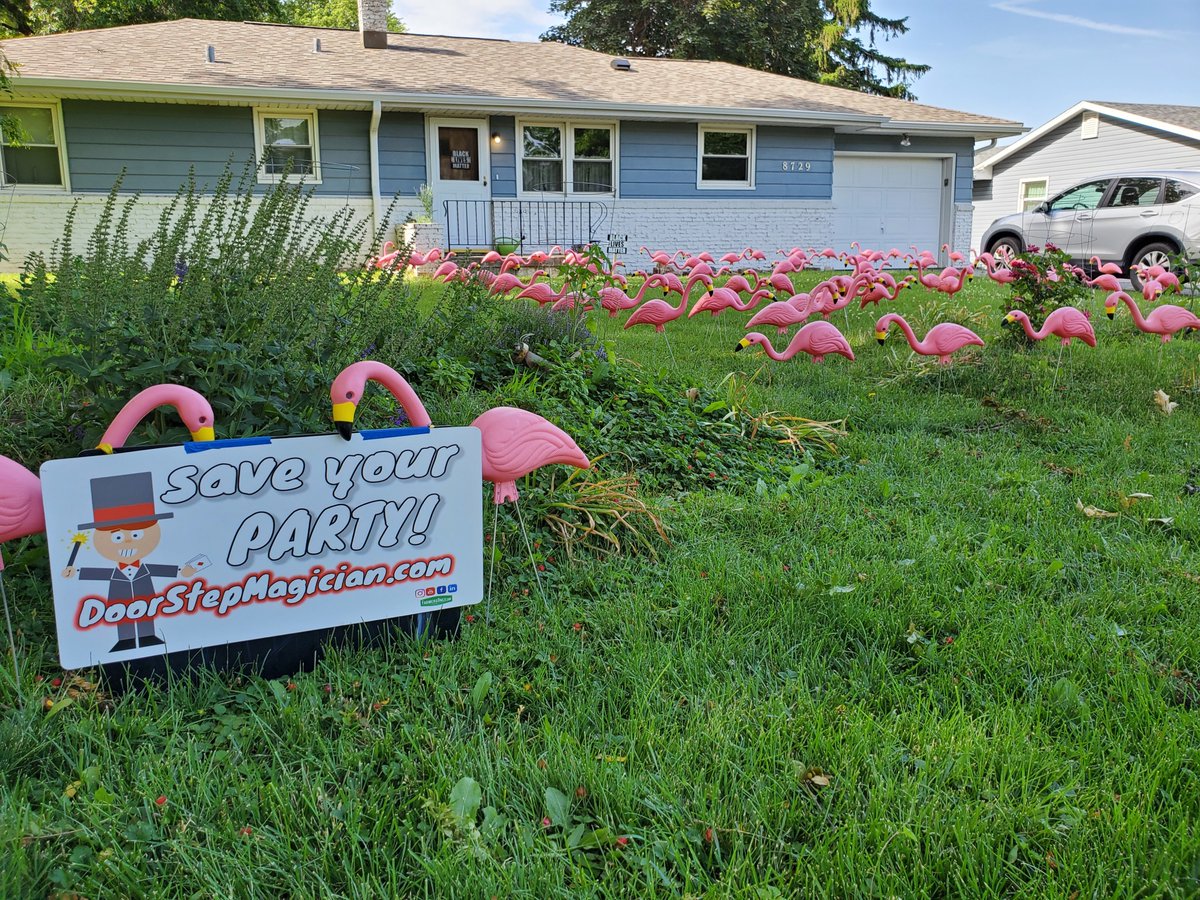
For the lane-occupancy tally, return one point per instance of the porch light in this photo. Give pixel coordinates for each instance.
(904, 141)
(495, 137)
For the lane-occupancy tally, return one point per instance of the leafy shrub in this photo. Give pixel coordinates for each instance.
(1045, 281)
(242, 295)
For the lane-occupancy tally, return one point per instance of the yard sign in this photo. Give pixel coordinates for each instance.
(178, 548)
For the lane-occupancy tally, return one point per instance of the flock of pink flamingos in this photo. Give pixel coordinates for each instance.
(516, 442)
(867, 280)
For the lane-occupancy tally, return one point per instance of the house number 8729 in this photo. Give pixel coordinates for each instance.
(796, 166)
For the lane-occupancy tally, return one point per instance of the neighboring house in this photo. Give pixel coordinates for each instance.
(537, 140)
(1089, 139)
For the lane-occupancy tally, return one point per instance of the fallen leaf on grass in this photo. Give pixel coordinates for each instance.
(1127, 500)
(1093, 512)
(1164, 402)
(1165, 522)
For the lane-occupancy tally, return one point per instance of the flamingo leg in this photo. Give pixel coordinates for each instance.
(12, 642)
(1057, 366)
(492, 564)
(670, 352)
(529, 548)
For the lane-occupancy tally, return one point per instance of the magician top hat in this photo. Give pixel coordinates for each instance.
(122, 500)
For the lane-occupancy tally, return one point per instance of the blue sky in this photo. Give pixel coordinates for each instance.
(1019, 59)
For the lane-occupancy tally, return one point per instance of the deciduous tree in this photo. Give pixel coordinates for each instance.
(832, 41)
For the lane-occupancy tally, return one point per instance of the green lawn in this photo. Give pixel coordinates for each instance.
(916, 668)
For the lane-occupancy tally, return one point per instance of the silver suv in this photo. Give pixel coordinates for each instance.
(1139, 218)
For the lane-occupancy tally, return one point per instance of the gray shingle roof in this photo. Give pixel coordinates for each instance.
(1183, 116)
(272, 57)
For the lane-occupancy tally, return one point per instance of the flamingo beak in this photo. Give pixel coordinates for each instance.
(1110, 311)
(343, 418)
(742, 345)
(204, 434)
(881, 336)
(1010, 318)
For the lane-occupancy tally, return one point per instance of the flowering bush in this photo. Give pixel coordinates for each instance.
(1045, 280)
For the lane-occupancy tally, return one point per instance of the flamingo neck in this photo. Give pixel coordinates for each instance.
(1134, 311)
(653, 279)
(145, 402)
(775, 354)
(1027, 326)
(687, 292)
(414, 409)
(908, 334)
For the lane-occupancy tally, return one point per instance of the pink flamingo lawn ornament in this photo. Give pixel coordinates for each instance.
(447, 271)
(346, 393)
(659, 312)
(943, 340)
(414, 259)
(879, 290)
(515, 443)
(616, 300)
(21, 515)
(195, 411)
(1105, 268)
(543, 292)
(783, 314)
(818, 339)
(720, 299)
(1164, 321)
(507, 281)
(1065, 323)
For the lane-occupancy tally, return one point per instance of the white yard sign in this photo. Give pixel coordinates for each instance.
(179, 548)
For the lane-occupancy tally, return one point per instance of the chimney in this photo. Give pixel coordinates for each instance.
(372, 22)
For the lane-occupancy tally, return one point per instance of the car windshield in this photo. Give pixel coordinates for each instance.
(1083, 196)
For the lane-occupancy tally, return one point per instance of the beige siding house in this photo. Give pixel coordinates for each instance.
(1091, 138)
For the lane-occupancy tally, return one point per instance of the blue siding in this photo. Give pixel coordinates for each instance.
(963, 148)
(157, 143)
(401, 154)
(504, 156)
(658, 161)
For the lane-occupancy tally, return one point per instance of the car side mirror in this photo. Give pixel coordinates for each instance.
(1043, 208)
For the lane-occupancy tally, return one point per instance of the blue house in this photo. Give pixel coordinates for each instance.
(542, 142)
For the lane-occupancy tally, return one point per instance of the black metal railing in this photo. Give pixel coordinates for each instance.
(530, 224)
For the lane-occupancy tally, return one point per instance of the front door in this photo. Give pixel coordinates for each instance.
(460, 169)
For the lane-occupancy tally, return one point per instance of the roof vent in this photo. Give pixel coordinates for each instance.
(316, 45)
(621, 64)
(210, 53)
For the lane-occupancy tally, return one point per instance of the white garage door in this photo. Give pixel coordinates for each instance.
(887, 201)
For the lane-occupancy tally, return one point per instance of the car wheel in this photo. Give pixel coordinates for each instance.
(1156, 254)
(1005, 248)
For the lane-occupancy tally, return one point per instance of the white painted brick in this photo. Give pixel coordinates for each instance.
(720, 226)
(34, 222)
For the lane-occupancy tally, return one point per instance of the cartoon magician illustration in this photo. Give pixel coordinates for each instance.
(127, 531)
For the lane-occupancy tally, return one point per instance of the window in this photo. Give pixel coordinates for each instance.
(592, 170)
(289, 145)
(32, 152)
(726, 157)
(1031, 193)
(1135, 192)
(542, 163)
(561, 157)
(1083, 196)
(1176, 191)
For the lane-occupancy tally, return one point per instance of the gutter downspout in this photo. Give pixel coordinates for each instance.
(373, 144)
